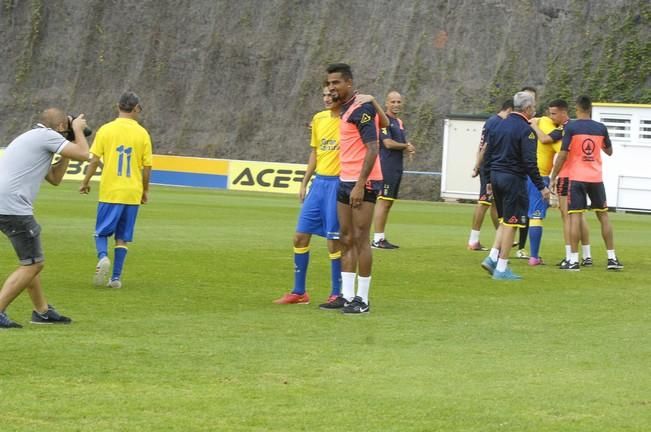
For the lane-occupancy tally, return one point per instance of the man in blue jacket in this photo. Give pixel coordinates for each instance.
(510, 158)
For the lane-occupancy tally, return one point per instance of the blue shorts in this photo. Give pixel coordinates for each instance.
(537, 205)
(484, 197)
(319, 212)
(510, 198)
(118, 219)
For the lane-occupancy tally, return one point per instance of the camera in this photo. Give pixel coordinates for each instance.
(70, 133)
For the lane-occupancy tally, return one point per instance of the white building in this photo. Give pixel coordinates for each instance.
(627, 173)
(461, 135)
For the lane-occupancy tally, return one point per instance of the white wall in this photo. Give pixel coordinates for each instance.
(627, 173)
(460, 143)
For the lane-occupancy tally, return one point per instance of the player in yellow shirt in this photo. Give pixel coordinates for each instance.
(124, 146)
(549, 131)
(319, 210)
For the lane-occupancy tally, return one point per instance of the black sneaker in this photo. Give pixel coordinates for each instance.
(49, 317)
(571, 266)
(7, 323)
(383, 244)
(394, 246)
(356, 307)
(614, 264)
(562, 263)
(586, 262)
(338, 303)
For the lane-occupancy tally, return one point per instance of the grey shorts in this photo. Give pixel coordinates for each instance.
(25, 235)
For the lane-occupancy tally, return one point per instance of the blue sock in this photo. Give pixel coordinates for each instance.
(535, 238)
(118, 261)
(335, 268)
(101, 244)
(301, 260)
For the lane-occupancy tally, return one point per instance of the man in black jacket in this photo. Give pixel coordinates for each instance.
(510, 158)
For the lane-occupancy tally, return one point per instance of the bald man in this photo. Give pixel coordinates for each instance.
(23, 166)
(393, 145)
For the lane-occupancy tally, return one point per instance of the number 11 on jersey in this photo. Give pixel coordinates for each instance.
(124, 151)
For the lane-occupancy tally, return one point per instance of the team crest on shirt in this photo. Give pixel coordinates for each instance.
(384, 131)
(532, 136)
(328, 144)
(365, 118)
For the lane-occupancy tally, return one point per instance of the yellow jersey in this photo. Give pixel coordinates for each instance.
(546, 152)
(125, 148)
(325, 139)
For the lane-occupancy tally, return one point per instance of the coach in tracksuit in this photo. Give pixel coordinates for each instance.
(510, 158)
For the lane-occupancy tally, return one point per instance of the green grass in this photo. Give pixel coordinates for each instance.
(193, 343)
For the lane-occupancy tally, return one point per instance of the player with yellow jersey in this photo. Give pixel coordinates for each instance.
(125, 148)
(549, 131)
(546, 151)
(319, 210)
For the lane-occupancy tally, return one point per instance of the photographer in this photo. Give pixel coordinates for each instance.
(23, 166)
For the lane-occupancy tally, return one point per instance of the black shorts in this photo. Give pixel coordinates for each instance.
(391, 184)
(25, 236)
(511, 198)
(579, 191)
(484, 197)
(372, 189)
(562, 186)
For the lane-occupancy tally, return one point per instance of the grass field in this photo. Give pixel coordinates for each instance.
(193, 343)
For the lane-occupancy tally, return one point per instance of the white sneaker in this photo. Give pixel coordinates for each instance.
(522, 254)
(102, 272)
(114, 283)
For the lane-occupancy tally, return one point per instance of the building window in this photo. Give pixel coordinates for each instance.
(645, 131)
(619, 126)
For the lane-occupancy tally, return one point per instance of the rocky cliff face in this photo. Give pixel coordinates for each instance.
(240, 79)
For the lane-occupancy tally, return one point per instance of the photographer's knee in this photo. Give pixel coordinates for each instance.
(34, 268)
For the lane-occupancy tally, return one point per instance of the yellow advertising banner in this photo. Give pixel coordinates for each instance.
(190, 164)
(242, 175)
(76, 170)
(265, 176)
